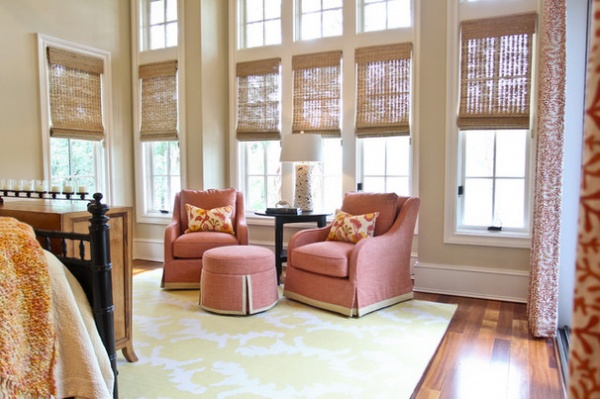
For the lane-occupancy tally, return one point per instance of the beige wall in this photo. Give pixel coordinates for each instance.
(100, 24)
(106, 25)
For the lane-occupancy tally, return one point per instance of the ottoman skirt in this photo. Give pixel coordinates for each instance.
(238, 280)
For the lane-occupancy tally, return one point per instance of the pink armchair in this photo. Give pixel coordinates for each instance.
(355, 279)
(183, 251)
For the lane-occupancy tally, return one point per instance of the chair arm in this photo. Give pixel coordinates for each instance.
(171, 233)
(241, 232)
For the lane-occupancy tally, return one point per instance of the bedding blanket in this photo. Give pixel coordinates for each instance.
(27, 334)
(49, 344)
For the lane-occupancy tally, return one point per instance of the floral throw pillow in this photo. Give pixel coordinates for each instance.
(217, 219)
(352, 228)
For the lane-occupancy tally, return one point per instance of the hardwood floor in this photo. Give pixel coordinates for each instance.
(487, 353)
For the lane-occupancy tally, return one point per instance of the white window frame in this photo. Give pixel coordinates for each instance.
(144, 25)
(144, 214)
(458, 11)
(103, 150)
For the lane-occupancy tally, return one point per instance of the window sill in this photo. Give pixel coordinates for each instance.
(162, 219)
(495, 239)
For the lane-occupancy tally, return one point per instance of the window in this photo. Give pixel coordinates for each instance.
(159, 135)
(384, 14)
(314, 51)
(263, 176)
(319, 18)
(162, 175)
(158, 24)
(74, 97)
(262, 23)
(383, 117)
(494, 141)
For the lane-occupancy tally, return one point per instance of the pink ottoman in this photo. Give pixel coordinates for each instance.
(238, 280)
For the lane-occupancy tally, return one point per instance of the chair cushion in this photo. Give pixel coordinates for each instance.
(207, 199)
(352, 228)
(327, 257)
(193, 245)
(216, 219)
(357, 203)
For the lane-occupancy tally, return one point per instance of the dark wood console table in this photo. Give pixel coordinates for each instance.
(280, 219)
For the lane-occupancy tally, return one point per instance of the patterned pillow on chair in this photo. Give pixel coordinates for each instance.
(352, 228)
(217, 219)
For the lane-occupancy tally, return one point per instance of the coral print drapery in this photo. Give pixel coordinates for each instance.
(544, 259)
(584, 363)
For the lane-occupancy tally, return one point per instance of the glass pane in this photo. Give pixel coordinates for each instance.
(332, 193)
(273, 190)
(374, 17)
(159, 192)
(477, 209)
(399, 14)
(171, 10)
(59, 155)
(373, 156)
(172, 34)
(510, 203)
(157, 37)
(272, 9)
(398, 185)
(256, 193)
(332, 163)
(273, 32)
(82, 155)
(254, 34)
(328, 4)
(479, 153)
(254, 10)
(157, 12)
(511, 153)
(310, 5)
(311, 26)
(374, 184)
(159, 158)
(174, 159)
(398, 156)
(273, 150)
(332, 23)
(255, 158)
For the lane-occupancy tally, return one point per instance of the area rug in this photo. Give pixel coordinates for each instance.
(289, 351)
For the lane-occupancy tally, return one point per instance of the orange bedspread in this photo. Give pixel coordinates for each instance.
(27, 331)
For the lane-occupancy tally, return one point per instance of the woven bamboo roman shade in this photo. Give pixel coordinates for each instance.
(258, 100)
(495, 84)
(159, 101)
(383, 90)
(317, 90)
(75, 95)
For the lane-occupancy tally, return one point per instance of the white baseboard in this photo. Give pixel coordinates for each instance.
(475, 282)
(148, 250)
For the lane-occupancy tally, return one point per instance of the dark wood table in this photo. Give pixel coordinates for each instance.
(280, 219)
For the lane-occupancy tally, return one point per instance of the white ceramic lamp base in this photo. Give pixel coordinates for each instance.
(303, 197)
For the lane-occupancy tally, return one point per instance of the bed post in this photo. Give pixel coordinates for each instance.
(102, 279)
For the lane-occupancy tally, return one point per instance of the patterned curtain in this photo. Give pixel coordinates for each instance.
(584, 364)
(544, 259)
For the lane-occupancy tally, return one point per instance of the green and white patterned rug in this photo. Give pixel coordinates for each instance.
(290, 351)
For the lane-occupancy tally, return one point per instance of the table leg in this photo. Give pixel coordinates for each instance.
(278, 247)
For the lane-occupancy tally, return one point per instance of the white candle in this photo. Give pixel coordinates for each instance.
(39, 188)
(68, 189)
(81, 189)
(27, 186)
(55, 189)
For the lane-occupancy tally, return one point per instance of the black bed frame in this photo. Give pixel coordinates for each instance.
(94, 274)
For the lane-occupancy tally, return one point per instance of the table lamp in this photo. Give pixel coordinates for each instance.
(305, 150)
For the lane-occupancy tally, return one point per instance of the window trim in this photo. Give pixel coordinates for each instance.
(452, 235)
(140, 57)
(104, 171)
